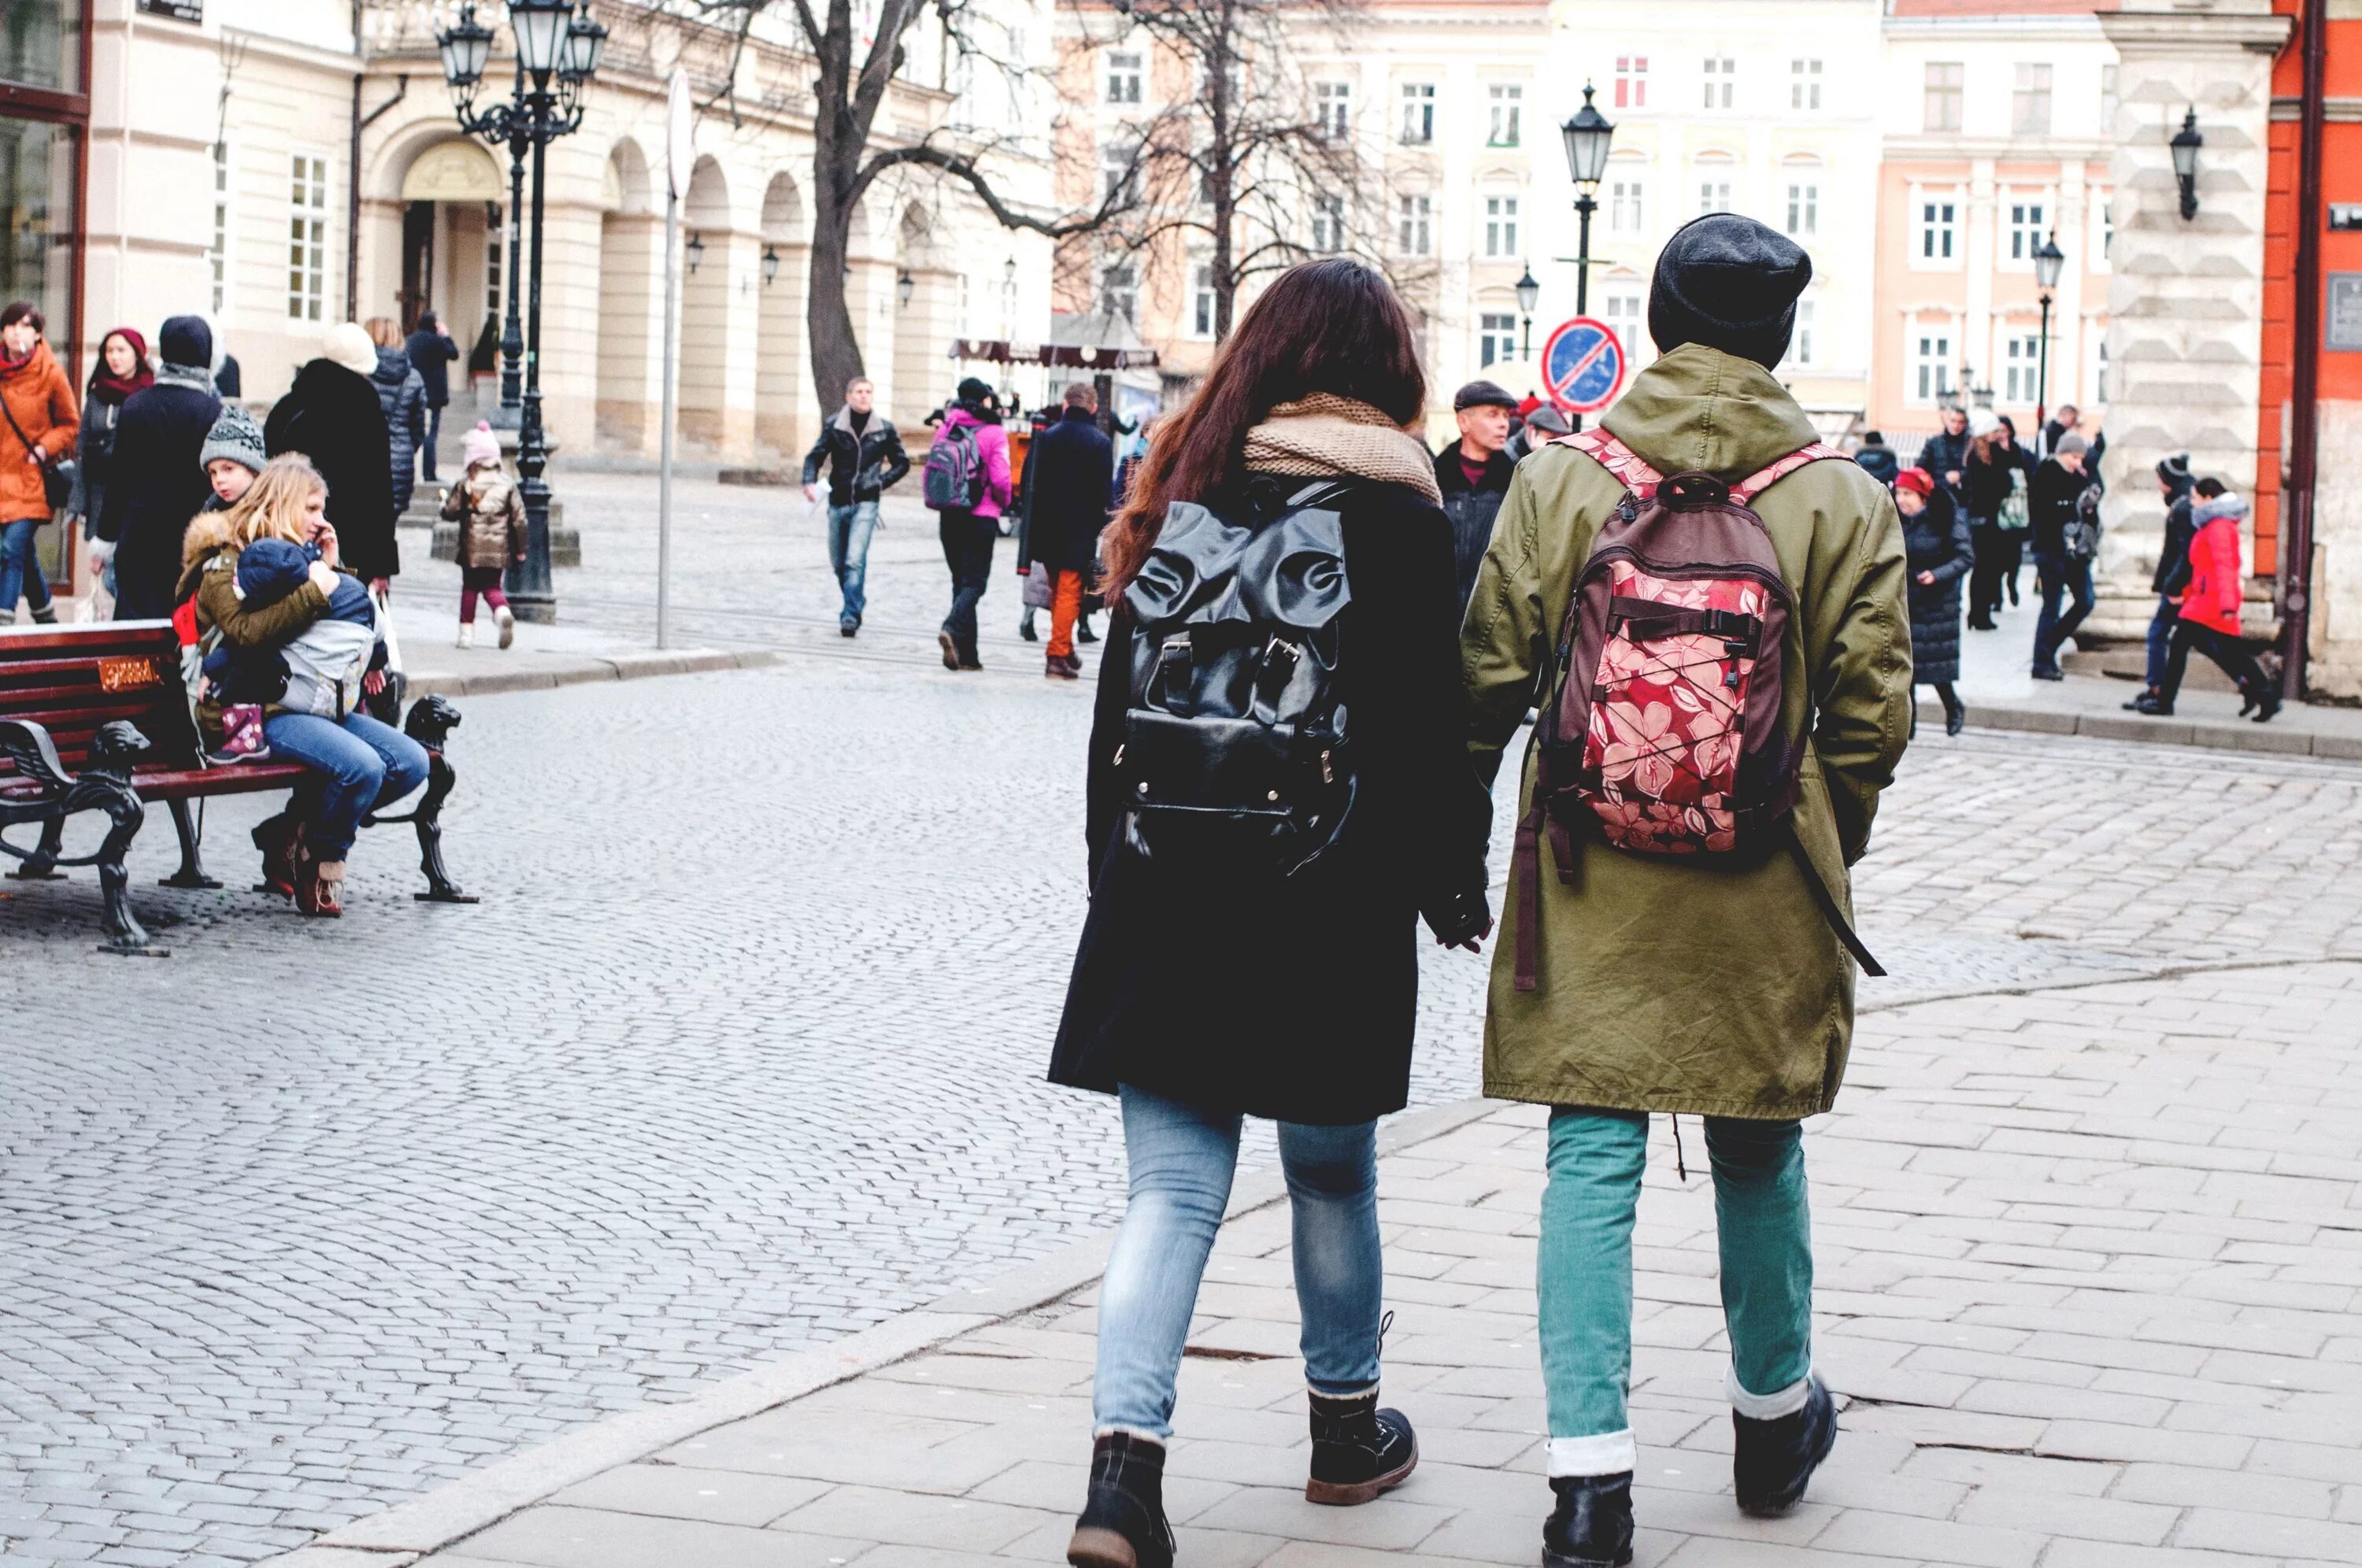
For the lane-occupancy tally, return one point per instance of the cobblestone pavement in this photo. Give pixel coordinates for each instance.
(742, 1051)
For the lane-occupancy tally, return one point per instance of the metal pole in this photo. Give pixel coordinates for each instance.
(513, 334)
(1583, 206)
(671, 391)
(530, 594)
(2042, 375)
(2304, 393)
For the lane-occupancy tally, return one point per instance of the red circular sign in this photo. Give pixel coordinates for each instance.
(1583, 365)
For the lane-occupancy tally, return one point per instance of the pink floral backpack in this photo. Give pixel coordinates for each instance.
(1665, 737)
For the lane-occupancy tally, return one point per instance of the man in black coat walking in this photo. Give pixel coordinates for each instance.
(1945, 456)
(431, 351)
(1473, 474)
(331, 415)
(1071, 470)
(157, 480)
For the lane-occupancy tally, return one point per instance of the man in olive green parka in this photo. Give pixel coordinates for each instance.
(1665, 984)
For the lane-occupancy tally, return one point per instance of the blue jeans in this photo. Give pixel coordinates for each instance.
(361, 765)
(849, 531)
(1764, 1222)
(2062, 575)
(20, 570)
(1182, 1161)
(2160, 638)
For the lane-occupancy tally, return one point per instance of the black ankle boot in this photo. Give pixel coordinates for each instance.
(1592, 1525)
(2268, 702)
(46, 615)
(1122, 1523)
(1358, 1450)
(1772, 1461)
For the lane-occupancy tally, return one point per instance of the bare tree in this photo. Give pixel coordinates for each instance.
(849, 87)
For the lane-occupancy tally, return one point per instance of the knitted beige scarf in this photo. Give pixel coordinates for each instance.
(1326, 435)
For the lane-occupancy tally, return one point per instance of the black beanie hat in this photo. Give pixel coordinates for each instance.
(187, 341)
(1731, 283)
(971, 390)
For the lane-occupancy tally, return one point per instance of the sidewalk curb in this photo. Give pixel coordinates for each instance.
(2249, 737)
(398, 1536)
(588, 668)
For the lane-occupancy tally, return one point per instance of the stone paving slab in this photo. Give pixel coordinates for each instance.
(2058, 1340)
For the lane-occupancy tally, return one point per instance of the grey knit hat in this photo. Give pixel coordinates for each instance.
(235, 437)
(1731, 283)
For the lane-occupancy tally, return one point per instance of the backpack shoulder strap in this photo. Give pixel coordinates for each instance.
(1745, 491)
(1628, 467)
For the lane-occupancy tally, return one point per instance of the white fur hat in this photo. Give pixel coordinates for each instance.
(349, 345)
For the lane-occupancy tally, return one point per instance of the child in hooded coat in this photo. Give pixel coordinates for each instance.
(490, 513)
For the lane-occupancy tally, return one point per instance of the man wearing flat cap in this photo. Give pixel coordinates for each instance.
(1654, 983)
(1473, 474)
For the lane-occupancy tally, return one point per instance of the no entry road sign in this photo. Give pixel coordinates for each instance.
(1583, 365)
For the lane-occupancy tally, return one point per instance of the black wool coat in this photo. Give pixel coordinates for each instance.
(1295, 997)
(1936, 540)
(154, 485)
(1071, 474)
(1472, 508)
(332, 416)
(431, 354)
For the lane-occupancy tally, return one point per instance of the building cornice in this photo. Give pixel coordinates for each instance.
(2183, 33)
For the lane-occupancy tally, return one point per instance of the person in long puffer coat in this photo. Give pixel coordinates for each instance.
(331, 415)
(1940, 549)
(402, 396)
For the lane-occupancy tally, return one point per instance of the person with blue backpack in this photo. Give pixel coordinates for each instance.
(966, 485)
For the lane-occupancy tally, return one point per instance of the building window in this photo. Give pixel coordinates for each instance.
(1721, 80)
(1418, 113)
(1201, 301)
(2105, 206)
(1414, 232)
(307, 239)
(1631, 81)
(1804, 84)
(1328, 224)
(2021, 360)
(1943, 100)
(2029, 104)
(2100, 379)
(217, 253)
(1332, 109)
(1119, 291)
(1122, 76)
(2026, 230)
(1497, 339)
(1931, 366)
(1800, 345)
(1500, 226)
(1120, 173)
(1804, 208)
(1508, 100)
(1627, 207)
(1938, 231)
(1621, 312)
(1714, 196)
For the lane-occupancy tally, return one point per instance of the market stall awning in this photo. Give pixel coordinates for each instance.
(1065, 356)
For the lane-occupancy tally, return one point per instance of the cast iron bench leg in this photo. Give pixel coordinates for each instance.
(120, 803)
(42, 866)
(192, 873)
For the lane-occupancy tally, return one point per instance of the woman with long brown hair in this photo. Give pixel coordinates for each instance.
(1213, 986)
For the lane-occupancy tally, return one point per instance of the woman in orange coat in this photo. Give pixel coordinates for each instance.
(2210, 592)
(41, 410)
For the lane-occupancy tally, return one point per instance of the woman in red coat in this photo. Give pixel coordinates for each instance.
(2210, 592)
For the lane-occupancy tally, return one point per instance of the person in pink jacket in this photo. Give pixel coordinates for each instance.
(969, 533)
(2210, 592)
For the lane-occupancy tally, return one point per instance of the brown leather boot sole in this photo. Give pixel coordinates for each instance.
(1349, 1495)
(1095, 1548)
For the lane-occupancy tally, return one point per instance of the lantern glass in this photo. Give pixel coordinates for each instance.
(586, 40)
(2185, 144)
(465, 46)
(1529, 293)
(1587, 136)
(540, 29)
(695, 250)
(2049, 262)
(903, 286)
(770, 264)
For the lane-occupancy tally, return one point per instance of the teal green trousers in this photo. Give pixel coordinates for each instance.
(1765, 1226)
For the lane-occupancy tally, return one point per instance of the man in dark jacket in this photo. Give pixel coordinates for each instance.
(864, 461)
(1473, 474)
(158, 480)
(2172, 574)
(1071, 472)
(331, 415)
(1945, 456)
(2051, 502)
(431, 351)
(1877, 459)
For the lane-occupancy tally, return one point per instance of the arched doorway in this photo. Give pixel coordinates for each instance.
(783, 420)
(631, 237)
(453, 242)
(923, 322)
(705, 346)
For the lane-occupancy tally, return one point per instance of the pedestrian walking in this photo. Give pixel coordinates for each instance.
(1473, 474)
(1292, 940)
(2062, 512)
(159, 479)
(43, 426)
(967, 487)
(402, 399)
(332, 416)
(490, 511)
(122, 369)
(2065, 420)
(1939, 550)
(1707, 984)
(1945, 455)
(1987, 480)
(1877, 459)
(2009, 545)
(2171, 578)
(2209, 617)
(432, 352)
(864, 457)
(1070, 469)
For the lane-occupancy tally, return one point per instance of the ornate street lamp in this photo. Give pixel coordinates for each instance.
(2185, 145)
(2049, 262)
(555, 41)
(770, 265)
(694, 250)
(1587, 136)
(1529, 294)
(903, 288)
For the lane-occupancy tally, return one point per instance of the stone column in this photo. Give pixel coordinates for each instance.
(2186, 298)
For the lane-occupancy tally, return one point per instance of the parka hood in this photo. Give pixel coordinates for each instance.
(392, 367)
(1698, 409)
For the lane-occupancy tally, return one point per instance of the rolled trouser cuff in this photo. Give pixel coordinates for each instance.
(1769, 1406)
(1609, 1453)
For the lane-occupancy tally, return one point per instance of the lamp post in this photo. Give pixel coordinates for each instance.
(904, 287)
(770, 265)
(2048, 261)
(1586, 134)
(1529, 294)
(2185, 145)
(558, 51)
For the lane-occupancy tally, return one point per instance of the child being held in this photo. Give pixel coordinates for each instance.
(305, 674)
